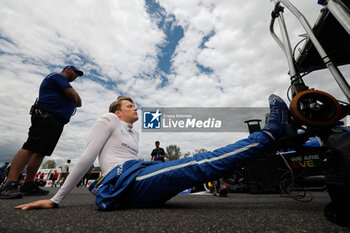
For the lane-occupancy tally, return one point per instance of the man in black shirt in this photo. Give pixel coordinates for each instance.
(158, 153)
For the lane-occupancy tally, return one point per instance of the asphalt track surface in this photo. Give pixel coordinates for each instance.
(238, 212)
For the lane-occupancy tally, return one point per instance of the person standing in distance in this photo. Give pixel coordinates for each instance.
(64, 173)
(158, 153)
(3, 172)
(56, 104)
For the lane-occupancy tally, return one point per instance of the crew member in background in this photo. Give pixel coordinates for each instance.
(3, 172)
(64, 173)
(54, 178)
(158, 153)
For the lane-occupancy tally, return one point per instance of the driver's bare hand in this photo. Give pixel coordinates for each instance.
(41, 204)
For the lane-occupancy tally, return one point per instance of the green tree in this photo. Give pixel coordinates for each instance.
(49, 164)
(202, 150)
(187, 154)
(173, 152)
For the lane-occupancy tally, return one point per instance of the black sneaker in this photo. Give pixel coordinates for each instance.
(31, 189)
(9, 190)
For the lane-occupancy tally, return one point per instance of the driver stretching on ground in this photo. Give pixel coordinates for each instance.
(129, 183)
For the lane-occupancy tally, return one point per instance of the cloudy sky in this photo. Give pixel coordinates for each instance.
(183, 53)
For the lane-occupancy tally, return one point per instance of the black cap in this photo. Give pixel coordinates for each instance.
(79, 72)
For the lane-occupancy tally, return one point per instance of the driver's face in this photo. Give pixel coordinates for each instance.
(127, 112)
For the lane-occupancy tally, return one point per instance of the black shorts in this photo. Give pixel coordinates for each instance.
(44, 132)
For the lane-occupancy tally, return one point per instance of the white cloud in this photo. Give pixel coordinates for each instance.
(119, 40)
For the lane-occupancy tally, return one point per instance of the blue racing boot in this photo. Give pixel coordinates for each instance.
(278, 122)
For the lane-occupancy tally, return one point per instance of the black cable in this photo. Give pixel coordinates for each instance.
(295, 47)
(343, 102)
(290, 86)
(287, 186)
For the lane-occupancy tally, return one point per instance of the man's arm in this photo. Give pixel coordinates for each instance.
(100, 133)
(73, 95)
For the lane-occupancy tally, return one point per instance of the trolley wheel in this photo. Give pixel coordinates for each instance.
(315, 108)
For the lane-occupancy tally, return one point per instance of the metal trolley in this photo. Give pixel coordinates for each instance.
(318, 113)
(327, 46)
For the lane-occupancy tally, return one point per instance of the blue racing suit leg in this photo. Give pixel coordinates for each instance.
(157, 183)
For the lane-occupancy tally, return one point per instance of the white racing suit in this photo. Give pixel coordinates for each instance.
(146, 184)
